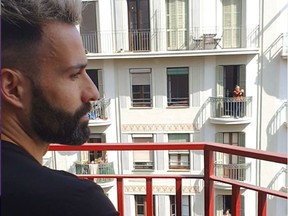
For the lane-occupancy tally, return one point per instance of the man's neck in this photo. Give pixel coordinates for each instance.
(35, 149)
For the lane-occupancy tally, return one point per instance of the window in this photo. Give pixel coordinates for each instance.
(96, 76)
(97, 156)
(140, 205)
(223, 202)
(231, 166)
(231, 138)
(177, 86)
(143, 159)
(88, 27)
(185, 205)
(179, 159)
(139, 25)
(99, 108)
(232, 23)
(227, 77)
(141, 87)
(177, 22)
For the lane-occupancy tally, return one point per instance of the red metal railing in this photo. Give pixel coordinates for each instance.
(208, 177)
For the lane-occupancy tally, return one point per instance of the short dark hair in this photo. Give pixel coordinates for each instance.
(22, 25)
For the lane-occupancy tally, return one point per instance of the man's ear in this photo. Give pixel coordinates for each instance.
(12, 87)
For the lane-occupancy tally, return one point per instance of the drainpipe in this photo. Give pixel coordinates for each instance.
(260, 89)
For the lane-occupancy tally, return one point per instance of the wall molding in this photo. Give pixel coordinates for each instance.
(159, 128)
(160, 189)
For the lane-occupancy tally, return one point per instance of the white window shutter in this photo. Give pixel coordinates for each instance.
(176, 24)
(241, 160)
(219, 205)
(219, 156)
(142, 156)
(232, 23)
(100, 83)
(219, 81)
(242, 77)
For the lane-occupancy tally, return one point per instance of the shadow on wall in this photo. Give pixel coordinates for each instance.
(202, 115)
(279, 181)
(274, 80)
(199, 198)
(276, 206)
(277, 128)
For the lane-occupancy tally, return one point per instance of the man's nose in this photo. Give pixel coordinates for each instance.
(91, 92)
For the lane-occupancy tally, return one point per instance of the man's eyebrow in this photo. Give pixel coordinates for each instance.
(77, 66)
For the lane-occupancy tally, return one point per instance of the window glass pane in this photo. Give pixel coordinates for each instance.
(226, 138)
(177, 71)
(178, 137)
(140, 209)
(140, 201)
(184, 160)
(235, 138)
(173, 160)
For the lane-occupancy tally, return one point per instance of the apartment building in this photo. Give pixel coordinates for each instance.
(166, 70)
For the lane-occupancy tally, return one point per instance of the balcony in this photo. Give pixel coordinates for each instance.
(239, 172)
(197, 39)
(95, 169)
(99, 115)
(228, 110)
(209, 177)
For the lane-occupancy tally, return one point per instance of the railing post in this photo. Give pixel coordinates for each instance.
(236, 201)
(149, 196)
(209, 184)
(178, 196)
(262, 197)
(120, 196)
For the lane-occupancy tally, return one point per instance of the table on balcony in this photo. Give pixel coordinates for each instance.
(197, 42)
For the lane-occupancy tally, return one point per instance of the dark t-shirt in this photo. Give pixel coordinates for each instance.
(30, 189)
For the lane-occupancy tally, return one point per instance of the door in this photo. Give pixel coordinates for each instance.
(139, 25)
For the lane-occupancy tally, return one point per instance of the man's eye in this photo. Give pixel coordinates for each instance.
(75, 75)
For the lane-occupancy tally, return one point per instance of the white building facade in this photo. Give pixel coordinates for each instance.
(167, 70)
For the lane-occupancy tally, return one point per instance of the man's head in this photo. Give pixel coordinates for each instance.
(22, 26)
(45, 88)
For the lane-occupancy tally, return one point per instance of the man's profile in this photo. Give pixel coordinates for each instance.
(46, 95)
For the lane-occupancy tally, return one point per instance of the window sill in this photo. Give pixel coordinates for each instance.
(177, 107)
(178, 170)
(143, 170)
(136, 108)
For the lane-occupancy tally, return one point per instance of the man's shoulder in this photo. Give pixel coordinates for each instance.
(40, 189)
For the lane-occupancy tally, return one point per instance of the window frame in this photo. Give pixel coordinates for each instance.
(144, 164)
(179, 153)
(173, 101)
(172, 199)
(143, 103)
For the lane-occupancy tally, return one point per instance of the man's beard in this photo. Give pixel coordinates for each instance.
(54, 125)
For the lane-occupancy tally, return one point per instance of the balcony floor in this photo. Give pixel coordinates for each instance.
(228, 120)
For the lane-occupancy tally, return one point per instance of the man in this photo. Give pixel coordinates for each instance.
(46, 95)
(238, 101)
